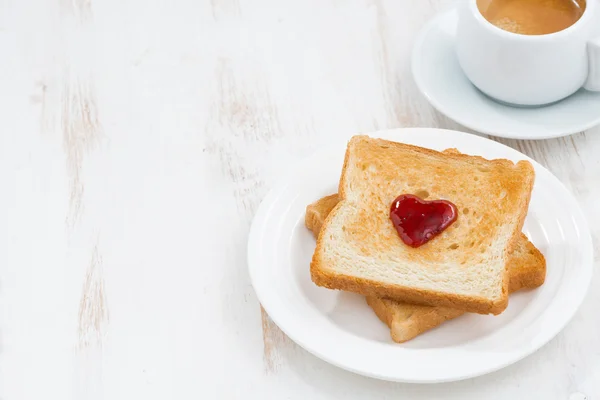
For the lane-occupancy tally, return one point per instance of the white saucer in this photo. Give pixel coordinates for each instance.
(439, 77)
(341, 329)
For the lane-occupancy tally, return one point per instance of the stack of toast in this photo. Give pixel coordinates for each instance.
(469, 266)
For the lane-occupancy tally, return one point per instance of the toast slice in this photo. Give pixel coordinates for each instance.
(464, 267)
(526, 270)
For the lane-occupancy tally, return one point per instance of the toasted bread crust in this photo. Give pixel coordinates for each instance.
(367, 287)
(527, 272)
(527, 269)
(403, 329)
(317, 213)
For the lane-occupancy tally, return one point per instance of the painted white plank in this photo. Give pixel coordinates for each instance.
(137, 139)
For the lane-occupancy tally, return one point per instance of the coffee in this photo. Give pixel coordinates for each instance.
(532, 17)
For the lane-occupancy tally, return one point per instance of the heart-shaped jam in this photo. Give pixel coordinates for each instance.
(418, 221)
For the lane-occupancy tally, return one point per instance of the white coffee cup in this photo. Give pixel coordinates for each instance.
(529, 70)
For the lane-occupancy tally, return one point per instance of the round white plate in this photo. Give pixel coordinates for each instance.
(440, 78)
(340, 328)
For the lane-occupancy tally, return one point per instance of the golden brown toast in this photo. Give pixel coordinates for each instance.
(464, 267)
(527, 270)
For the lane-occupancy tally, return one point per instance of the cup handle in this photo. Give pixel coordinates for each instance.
(593, 80)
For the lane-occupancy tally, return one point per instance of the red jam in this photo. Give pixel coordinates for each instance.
(418, 221)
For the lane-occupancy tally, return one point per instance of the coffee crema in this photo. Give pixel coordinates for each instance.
(532, 17)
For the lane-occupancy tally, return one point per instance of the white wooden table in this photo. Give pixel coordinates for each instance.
(137, 139)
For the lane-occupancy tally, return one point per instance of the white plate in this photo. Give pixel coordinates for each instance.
(439, 77)
(340, 328)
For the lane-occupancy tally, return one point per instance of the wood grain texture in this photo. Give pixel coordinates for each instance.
(137, 139)
(81, 131)
(242, 105)
(93, 309)
(273, 341)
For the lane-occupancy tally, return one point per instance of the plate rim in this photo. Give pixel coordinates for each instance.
(419, 81)
(261, 217)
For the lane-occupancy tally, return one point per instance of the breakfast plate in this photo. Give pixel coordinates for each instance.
(439, 77)
(341, 329)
